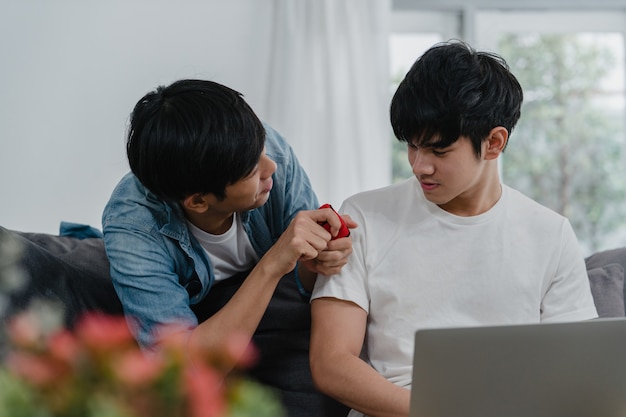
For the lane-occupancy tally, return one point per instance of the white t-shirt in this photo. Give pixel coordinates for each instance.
(417, 266)
(231, 252)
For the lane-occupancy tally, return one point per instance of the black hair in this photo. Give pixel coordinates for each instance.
(453, 91)
(193, 136)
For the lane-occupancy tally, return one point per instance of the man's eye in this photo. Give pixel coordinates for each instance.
(439, 153)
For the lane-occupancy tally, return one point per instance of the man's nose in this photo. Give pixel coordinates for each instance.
(269, 167)
(422, 165)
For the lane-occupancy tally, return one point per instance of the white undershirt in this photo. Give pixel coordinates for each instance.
(229, 253)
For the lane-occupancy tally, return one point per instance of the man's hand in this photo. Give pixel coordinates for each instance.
(306, 241)
(332, 258)
(335, 255)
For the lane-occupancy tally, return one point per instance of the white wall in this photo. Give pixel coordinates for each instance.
(70, 73)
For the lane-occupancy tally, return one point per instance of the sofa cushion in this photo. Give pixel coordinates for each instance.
(605, 258)
(607, 287)
(73, 272)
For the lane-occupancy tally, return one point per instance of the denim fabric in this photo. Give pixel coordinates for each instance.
(157, 266)
(79, 230)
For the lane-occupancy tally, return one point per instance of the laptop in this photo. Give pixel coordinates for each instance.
(538, 370)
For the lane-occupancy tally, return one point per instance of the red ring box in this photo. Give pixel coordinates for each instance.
(343, 231)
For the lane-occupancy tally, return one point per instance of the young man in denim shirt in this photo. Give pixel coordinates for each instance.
(216, 211)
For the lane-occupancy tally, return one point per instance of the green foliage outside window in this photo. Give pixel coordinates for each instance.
(567, 151)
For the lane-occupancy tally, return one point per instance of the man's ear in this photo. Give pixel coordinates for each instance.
(495, 142)
(197, 202)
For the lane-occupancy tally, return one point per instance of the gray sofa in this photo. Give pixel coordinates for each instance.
(74, 270)
(606, 276)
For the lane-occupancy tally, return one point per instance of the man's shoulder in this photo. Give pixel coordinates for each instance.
(128, 191)
(525, 204)
(527, 212)
(404, 188)
(131, 202)
(128, 185)
(392, 201)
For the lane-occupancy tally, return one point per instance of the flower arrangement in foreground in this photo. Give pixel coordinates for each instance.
(98, 370)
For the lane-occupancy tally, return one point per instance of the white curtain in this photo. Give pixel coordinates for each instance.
(328, 91)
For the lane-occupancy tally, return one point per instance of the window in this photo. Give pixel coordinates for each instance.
(569, 149)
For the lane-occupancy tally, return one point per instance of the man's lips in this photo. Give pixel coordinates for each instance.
(428, 186)
(269, 186)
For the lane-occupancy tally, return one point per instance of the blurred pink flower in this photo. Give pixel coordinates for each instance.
(99, 362)
(38, 370)
(240, 350)
(24, 330)
(205, 390)
(103, 333)
(173, 338)
(64, 346)
(135, 368)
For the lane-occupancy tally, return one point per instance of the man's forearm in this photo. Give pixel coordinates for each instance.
(359, 386)
(242, 313)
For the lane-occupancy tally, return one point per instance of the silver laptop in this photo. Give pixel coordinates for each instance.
(542, 370)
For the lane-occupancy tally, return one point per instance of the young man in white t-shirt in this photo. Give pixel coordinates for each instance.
(452, 246)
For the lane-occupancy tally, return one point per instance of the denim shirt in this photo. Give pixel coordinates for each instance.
(157, 266)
